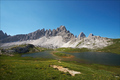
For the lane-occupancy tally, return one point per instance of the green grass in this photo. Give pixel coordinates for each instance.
(37, 49)
(62, 54)
(22, 45)
(73, 49)
(27, 68)
(114, 48)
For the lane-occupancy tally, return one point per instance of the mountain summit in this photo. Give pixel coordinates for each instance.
(3, 35)
(60, 31)
(81, 35)
(55, 38)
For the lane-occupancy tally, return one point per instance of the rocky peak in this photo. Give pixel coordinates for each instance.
(49, 30)
(37, 31)
(62, 28)
(3, 35)
(43, 29)
(1, 32)
(60, 31)
(81, 35)
(90, 35)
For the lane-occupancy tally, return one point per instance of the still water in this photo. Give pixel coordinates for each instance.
(84, 57)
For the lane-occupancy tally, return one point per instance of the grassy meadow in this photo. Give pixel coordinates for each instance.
(73, 50)
(27, 68)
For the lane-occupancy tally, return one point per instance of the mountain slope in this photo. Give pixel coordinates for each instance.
(113, 48)
(56, 38)
(51, 42)
(91, 42)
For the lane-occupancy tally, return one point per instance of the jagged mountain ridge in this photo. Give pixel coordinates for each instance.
(3, 35)
(91, 42)
(57, 38)
(61, 31)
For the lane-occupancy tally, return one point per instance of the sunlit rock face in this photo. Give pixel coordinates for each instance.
(60, 31)
(55, 38)
(90, 35)
(81, 35)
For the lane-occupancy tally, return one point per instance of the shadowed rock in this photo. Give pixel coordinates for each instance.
(23, 49)
(3, 35)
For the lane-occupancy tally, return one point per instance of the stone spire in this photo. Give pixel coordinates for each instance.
(81, 35)
(90, 35)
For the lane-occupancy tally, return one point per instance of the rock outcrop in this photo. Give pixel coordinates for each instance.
(18, 49)
(23, 49)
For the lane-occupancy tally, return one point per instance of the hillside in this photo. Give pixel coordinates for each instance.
(113, 48)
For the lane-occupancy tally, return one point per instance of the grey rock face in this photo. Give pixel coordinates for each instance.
(81, 35)
(60, 31)
(3, 35)
(90, 35)
(62, 28)
(47, 33)
(54, 32)
(21, 37)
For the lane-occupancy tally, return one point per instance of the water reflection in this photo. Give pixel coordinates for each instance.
(85, 57)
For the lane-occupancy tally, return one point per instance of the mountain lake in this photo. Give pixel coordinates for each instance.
(83, 57)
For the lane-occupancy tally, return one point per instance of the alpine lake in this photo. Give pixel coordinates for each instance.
(83, 57)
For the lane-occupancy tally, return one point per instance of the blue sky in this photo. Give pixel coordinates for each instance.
(98, 17)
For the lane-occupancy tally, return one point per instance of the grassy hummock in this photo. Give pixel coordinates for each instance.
(73, 50)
